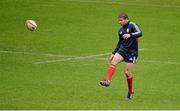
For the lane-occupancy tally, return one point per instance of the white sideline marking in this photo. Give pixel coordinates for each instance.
(31, 53)
(100, 58)
(74, 58)
(70, 57)
(142, 49)
(161, 62)
(122, 3)
(78, 58)
(45, 54)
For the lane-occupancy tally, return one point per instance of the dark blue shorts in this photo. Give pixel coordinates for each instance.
(130, 56)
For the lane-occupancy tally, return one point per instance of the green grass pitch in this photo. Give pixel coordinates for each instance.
(59, 65)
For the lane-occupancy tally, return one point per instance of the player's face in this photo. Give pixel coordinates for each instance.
(122, 21)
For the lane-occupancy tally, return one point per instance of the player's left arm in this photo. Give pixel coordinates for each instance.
(136, 33)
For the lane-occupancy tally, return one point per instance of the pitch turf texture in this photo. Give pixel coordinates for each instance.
(58, 66)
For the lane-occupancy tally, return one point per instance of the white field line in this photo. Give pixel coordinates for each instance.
(122, 3)
(97, 57)
(70, 57)
(31, 53)
(74, 58)
(159, 62)
(78, 58)
(45, 54)
(143, 49)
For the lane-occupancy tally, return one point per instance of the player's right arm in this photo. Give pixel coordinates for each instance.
(117, 48)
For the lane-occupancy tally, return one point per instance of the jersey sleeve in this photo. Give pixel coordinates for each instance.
(117, 47)
(136, 31)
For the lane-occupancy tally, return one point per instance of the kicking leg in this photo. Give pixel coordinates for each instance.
(115, 60)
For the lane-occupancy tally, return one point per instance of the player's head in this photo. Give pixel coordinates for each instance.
(123, 19)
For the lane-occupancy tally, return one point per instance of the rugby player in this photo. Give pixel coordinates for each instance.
(126, 50)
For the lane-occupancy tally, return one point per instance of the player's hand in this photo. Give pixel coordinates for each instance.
(111, 57)
(126, 36)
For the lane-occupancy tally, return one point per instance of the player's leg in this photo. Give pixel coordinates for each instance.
(129, 76)
(116, 59)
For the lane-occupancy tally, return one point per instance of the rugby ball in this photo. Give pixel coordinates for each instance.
(31, 25)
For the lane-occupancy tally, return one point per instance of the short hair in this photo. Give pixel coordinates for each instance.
(123, 15)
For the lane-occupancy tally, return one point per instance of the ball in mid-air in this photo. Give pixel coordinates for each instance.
(31, 25)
